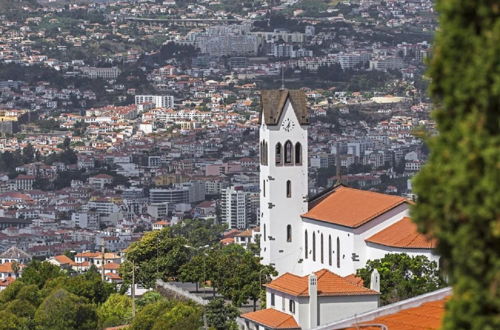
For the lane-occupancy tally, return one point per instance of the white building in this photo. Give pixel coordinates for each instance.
(339, 229)
(235, 208)
(305, 302)
(160, 101)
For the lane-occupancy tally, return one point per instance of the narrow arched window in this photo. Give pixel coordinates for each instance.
(288, 152)
(298, 153)
(265, 153)
(289, 233)
(338, 252)
(322, 249)
(306, 243)
(279, 154)
(330, 250)
(264, 232)
(264, 188)
(314, 246)
(288, 188)
(262, 153)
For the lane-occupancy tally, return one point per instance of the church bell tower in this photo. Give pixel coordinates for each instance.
(283, 177)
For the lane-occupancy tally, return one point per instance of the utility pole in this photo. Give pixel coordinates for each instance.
(102, 259)
(132, 290)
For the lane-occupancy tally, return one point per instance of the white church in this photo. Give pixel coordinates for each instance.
(320, 240)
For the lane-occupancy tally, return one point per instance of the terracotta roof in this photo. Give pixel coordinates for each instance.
(354, 279)
(6, 267)
(426, 316)
(329, 284)
(227, 241)
(273, 102)
(111, 265)
(351, 207)
(7, 281)
(272, 318)
(402, 234)
(64, 260)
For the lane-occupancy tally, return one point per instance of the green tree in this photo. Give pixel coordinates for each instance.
(458, 196)
(39, 272)
(182, 316)
(10, 321)
(195, 270)
(402, 276)
(199, 232)
(220, 315)
(62, 310)
(117, 310)
(147, 316)
(157, 255)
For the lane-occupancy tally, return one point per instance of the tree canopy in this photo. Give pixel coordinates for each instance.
(402, 276)
(458, 196)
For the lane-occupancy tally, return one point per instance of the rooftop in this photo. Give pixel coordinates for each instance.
(402, 234)
(272, 318)
(329, 284)
(351, 207)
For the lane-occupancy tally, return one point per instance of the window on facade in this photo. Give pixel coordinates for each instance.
(330, 250)
(288, 152)
(321, 252)
(288, 189)
(338, 252)
(264, 188)
(265, 232)
(292, 306)
(289, 233)
(265, 153)
(314, 246)
(306, 241)
(298, 153)
(278, 154)
(272, 299)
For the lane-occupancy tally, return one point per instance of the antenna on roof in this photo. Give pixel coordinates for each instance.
(282, 77)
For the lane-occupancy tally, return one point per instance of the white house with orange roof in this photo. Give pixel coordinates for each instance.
(305, 302)
(341, 228)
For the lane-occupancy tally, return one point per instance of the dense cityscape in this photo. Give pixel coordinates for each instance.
(125, 123)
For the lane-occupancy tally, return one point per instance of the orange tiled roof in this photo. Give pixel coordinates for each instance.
(7, 281)
(62, 259)
(6, 267)
(426, 316)
(402, 234)
(329, 284)
(352, 207)
(272, 318)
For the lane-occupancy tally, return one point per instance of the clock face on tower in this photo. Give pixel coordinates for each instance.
(287, 125)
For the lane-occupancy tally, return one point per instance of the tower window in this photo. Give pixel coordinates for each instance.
(298, 153)
(321, 246)
(264, 187)
(288, 152)
(330, 250)
(314, 246)
(265, 235)
(279, 154)
(289, 233)
(272, 299)
(289, 188)
(306, 241)
(292, 306)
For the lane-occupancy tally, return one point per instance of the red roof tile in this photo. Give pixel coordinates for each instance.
(426, 316)
(272, 318)
(402, 234)
(329, 284)
(352, 207)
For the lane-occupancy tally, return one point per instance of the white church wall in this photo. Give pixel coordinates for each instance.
(377, 251)
(374, 226)
(346, 239)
